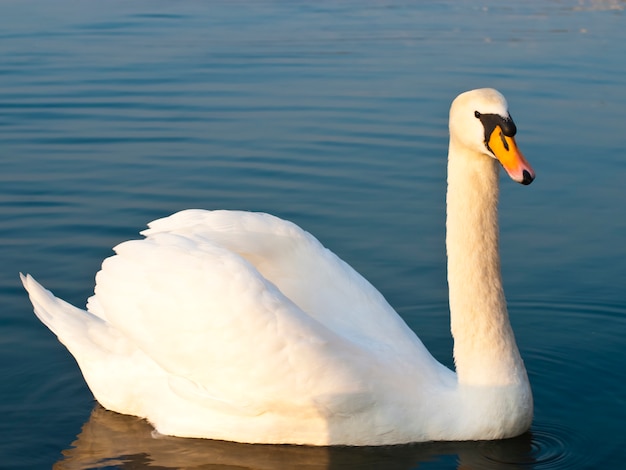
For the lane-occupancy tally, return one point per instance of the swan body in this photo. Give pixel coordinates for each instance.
(241, 326)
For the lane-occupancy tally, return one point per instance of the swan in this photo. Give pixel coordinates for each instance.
(241, 326)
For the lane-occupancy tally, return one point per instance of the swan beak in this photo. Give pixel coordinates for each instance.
(506, 151)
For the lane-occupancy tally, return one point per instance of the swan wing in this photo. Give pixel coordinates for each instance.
(226, 336)
(311, 276)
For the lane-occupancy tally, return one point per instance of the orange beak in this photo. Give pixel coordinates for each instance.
(506, 151)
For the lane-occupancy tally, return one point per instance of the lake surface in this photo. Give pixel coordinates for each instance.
(332, 115)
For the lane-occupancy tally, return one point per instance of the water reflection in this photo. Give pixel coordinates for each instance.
(118, 441)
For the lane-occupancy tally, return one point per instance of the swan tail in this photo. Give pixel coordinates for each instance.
(85, 335)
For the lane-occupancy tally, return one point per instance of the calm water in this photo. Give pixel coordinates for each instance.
(333, 115)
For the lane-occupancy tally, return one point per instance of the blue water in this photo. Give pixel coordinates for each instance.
(333, 115)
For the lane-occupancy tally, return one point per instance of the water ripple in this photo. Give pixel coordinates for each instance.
(551, 447)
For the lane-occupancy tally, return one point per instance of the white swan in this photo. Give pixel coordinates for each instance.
(241, 326)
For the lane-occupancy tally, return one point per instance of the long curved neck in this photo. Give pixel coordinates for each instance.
(485, 351)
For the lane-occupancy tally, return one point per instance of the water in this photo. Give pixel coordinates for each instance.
(333, 115)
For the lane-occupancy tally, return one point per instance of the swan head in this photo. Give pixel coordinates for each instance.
(480, 121)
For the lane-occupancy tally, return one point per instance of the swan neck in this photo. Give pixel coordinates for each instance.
(485, 351)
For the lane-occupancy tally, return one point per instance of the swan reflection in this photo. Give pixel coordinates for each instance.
(112, 440)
